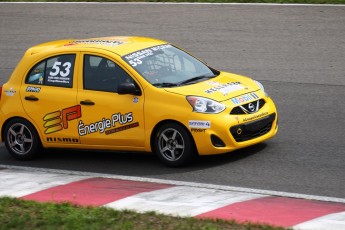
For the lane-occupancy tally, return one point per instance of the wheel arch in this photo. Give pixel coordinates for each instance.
(18, 117)
(163, 122)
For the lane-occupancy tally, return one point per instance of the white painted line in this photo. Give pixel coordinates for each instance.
(181, 183)
(180, 3)
(181, 200)
(334, 221)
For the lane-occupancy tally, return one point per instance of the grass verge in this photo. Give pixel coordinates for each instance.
(20, 214)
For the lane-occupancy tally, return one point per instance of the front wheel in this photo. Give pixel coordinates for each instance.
(173, 145)
(21, 139)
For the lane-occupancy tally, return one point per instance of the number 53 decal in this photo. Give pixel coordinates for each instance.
(62, 70)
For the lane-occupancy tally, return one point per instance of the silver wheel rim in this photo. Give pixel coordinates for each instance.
(171, 144)
(19, 138)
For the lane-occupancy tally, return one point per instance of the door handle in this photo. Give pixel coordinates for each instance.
(31, 98)
(87, 102)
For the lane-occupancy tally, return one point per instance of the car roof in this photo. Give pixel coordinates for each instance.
(120, 45)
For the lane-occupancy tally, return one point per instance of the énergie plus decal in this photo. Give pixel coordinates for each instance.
(117, 122)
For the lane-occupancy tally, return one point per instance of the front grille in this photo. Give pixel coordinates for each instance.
(254, 129)
(237, 110)
(245, 109)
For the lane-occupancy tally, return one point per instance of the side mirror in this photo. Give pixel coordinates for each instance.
(128, 88)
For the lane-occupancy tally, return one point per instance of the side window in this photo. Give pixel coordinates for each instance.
(36, 74)
(55, 71)
(102, 74)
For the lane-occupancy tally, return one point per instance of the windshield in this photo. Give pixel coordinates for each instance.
(168, 66)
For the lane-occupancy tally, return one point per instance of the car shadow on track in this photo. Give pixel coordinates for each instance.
(231, 157)
(124, 163)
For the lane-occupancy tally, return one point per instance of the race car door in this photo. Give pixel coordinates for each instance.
(49, 99)
(108, 118)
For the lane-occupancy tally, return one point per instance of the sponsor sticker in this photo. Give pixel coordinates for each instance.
(10, 92)
(255, 117)
(122, 128)
(68, 140)
(199, 124)
(97, 42)
(135, 58)
(33, 89)
(194, 130)
(244, 98)
(224, 88)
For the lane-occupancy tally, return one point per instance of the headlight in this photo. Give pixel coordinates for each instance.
(261, 87)
(204, 105)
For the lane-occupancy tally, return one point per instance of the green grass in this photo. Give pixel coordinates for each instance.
(212, 1)
(20, 214)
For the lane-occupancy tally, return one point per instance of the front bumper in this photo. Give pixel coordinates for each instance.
(229, 132)
(250, 130)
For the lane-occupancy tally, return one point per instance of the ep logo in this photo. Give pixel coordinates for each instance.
(58, 120)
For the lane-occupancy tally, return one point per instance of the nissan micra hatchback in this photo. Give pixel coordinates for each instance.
(130, 94)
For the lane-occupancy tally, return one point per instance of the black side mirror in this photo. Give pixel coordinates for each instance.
(128, 88)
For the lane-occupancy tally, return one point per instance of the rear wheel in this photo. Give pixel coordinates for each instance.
(173, 145)
(21, 139)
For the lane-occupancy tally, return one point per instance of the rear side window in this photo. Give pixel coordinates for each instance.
(54, 71)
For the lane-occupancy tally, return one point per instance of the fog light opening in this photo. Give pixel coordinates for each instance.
(216, 141)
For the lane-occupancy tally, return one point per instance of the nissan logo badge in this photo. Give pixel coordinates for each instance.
(251, 107)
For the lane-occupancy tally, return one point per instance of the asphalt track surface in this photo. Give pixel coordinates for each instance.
(297, 52)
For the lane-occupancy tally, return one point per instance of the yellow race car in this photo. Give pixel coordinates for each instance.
(130, 94)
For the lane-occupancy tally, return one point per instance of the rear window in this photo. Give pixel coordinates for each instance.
(54, 71)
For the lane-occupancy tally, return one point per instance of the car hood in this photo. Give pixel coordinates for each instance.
(223, 87)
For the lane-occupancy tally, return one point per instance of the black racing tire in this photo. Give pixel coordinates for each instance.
(21, 139)
(173, 145)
